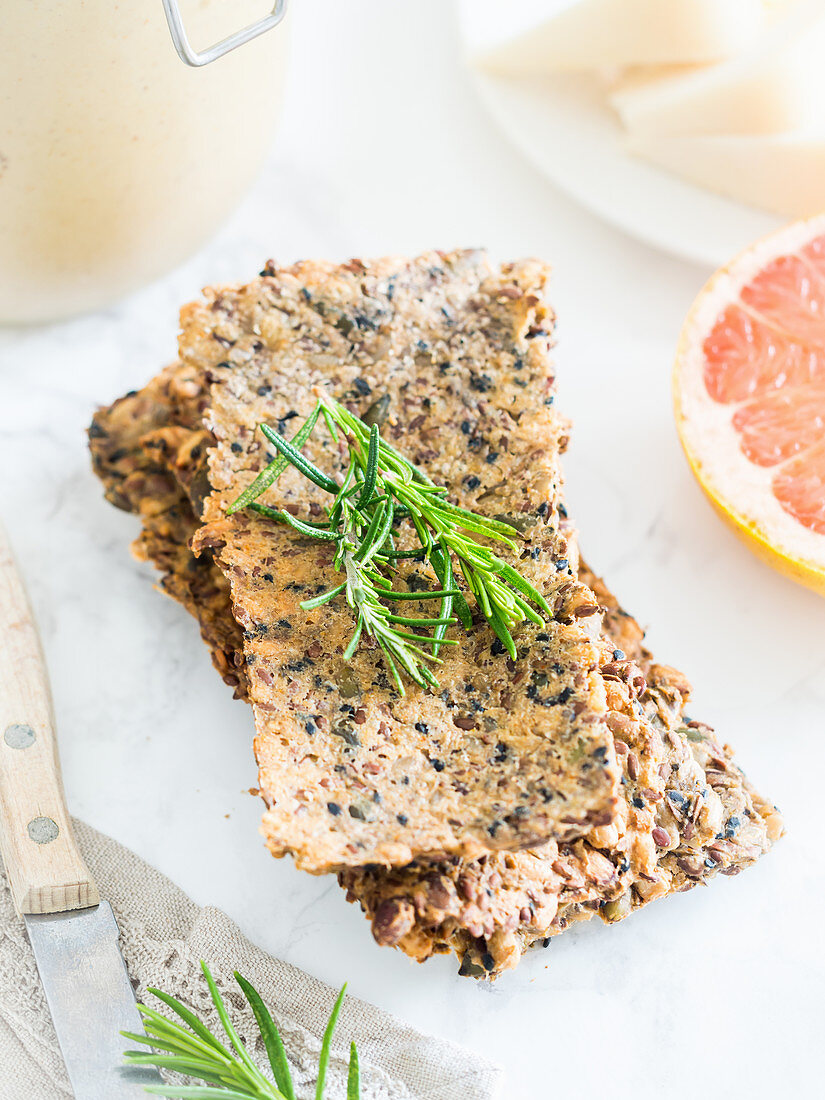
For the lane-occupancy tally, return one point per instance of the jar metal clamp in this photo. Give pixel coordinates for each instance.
(198, 58)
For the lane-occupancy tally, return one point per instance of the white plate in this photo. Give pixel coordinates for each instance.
(563, 126)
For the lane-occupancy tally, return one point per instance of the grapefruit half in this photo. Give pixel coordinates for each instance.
(749, 391)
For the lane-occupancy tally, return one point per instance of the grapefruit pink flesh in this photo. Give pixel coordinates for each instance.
(765, 357)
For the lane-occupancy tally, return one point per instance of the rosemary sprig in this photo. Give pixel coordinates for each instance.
(382, 488)
(228, 1071)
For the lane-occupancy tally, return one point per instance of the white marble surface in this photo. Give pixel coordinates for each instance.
(384, 148)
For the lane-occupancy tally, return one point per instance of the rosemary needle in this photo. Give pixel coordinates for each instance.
(380, 489)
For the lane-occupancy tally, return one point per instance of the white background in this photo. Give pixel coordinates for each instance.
(384, 148)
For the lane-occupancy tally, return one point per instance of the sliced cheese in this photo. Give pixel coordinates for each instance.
(778, 85)
(782, 173)
(600, 34)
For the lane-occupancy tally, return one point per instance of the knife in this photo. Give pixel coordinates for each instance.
(73, 932)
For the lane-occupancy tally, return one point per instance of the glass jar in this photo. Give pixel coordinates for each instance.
(116, 159)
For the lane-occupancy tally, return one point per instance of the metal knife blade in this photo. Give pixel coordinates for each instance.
(91, 1000)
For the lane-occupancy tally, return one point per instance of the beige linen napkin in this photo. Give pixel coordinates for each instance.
(164, 935)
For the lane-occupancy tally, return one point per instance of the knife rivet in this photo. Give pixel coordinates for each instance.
(42, 830)
(19, 736)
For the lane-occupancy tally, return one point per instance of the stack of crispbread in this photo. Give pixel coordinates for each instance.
(522, 795)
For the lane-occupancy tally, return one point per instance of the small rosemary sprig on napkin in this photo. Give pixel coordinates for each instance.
(231, 1074)
(382, 488)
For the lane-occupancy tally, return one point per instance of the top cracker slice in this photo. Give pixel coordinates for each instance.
(454, 356)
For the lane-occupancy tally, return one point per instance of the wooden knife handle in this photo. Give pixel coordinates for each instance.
(45, 869)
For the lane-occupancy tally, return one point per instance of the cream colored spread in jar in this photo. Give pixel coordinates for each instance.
(116, 159)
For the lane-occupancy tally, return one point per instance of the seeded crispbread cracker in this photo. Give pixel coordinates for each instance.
(489, 911)
(149, 450)
(457, 353)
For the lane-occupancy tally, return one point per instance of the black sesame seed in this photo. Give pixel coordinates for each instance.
(481, 383)
(561, 698)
